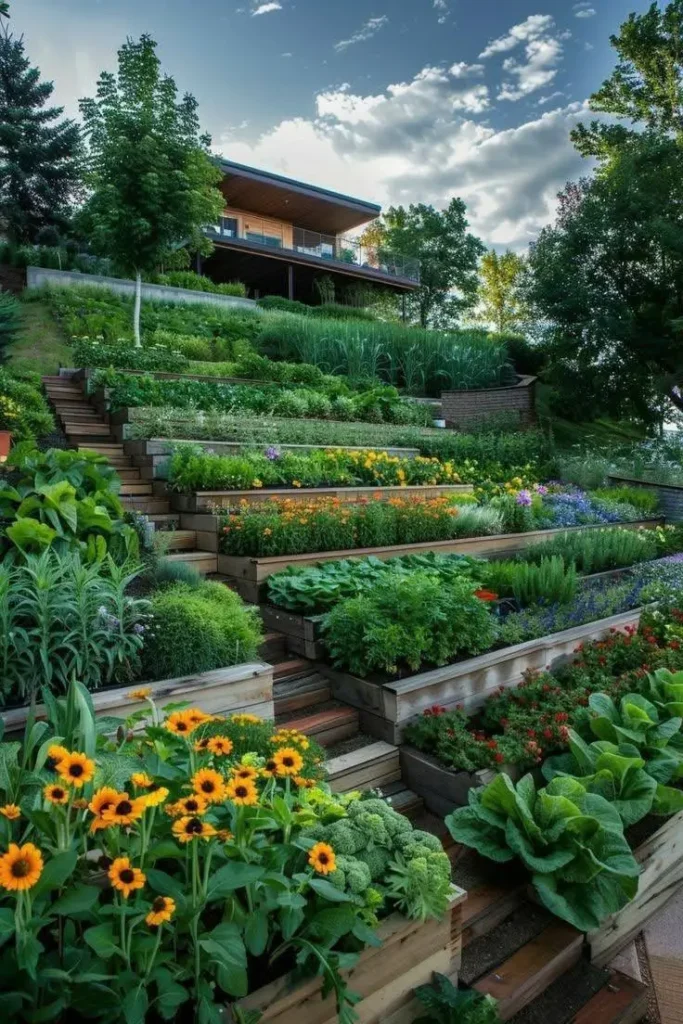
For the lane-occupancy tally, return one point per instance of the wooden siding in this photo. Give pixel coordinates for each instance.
(249, 220)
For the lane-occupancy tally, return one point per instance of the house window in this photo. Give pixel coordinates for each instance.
(228, 227)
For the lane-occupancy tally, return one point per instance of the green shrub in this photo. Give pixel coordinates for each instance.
(197, 629)
(10, 321)
(548, 582)
(279, 303)
(91, 354)
(166, 573)
(525, 357)
(190, 346)
(407, 623)
(337, 311)
(595, 551)
(198, 283)
(645, 501)
(23, 409)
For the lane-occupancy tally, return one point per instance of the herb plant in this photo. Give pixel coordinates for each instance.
(447, 1004)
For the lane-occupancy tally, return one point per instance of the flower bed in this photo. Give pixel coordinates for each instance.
(670, 495)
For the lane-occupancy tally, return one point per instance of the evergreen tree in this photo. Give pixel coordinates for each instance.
(39, 177)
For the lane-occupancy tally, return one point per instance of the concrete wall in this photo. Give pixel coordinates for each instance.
(37, 277)
(460, 408)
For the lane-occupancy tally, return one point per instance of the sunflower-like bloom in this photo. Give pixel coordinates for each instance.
(322, 859)
(55, 754)
(156, 797)
(125, 810)
(11, 811)
(102, 801)
(221, 746)
(142, 780)
(202, 745)
(303, 783)
(198, 717)
(193, 805)
(20, 867)
(188, 828)
(243, 793)
(244, 718)
(288, 760)
(162, 910)
(76, 769)
(124, 877)
(209, 784)
(142, 694)
(180, 724)
(56, 794)
(243, 772)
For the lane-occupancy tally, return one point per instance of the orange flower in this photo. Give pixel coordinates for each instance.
(125, 810)
(55, 793)
(163, 909)
(155, 797)
(288, 760)
(242, 793)
(244, 772)
(142, 780)
(321, 857)
(186, 829)
(193, 806)
(180, 724)
(77, 769)
(11, 811)
(124, 877)
(20, 867)
(220, 745)
(209, 784)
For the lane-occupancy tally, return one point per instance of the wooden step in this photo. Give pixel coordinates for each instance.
(126, 474)
(402, 799)
(326, 727)
(488, 905)
(148, 506)
(135, 489)
(529, 971)
(374, 765)
(76, 409)
(622, 1001)
(66, 391)
(56, 378)
(274, 649)
(302, 692)
(110, 450)
(176, 540)
(202, 561)
(292, 669)
(81, 431)
(163, 520)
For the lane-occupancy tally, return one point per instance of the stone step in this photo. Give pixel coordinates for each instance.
(326, 727)
(203, 561)
(148, 506)
(374, 765)
(532, 969)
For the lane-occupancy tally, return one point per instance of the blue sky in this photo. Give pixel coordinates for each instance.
(393, 100)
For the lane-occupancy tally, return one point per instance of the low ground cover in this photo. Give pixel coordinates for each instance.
(211, 849)
(23, 409)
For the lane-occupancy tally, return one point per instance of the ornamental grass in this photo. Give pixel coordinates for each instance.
(165, 868)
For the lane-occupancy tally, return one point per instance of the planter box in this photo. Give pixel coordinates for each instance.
(386, 708)
(202, 501)
(247, 574)
(247, 687)
(384, 976)
(670, 495)
(301, 630)
(462, 408)
(443, 788)
(661, 861)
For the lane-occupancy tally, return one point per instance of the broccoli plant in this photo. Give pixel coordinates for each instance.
(571, 840)
(447, 1004)
(378, 851)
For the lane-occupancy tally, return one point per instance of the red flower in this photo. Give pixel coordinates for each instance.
(561, 716)
(486, 595)
(548, 733)
(498, 758)
(434, 711)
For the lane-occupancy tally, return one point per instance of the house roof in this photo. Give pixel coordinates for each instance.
(307, 206)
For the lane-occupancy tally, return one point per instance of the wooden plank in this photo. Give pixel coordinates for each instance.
(623, 1000)
(488, 906)
(661, 863)
(529, 971)
(292, 695)
(373, 765)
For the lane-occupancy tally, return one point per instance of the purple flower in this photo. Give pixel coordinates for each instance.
(138, 628)
(524, 498)
(540, 489)
(272, 453)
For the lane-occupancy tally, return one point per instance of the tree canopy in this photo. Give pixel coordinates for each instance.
(500, 298)
(448, 255)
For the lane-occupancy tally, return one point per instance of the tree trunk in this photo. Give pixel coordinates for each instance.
(136, 308)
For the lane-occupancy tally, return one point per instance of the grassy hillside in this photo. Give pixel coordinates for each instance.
(567, 433)
(40, 344)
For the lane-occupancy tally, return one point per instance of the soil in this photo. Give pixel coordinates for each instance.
(565, 997)
(347, 746)
(486, 952)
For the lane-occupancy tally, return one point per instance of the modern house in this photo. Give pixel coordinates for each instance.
(279, 236)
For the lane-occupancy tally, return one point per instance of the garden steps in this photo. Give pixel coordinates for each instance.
(371, 766)
(176, 540)
(327, 726)
(292, 669)
(148, 506)
(135, 489)
(199, 560)
(273, 648)
(296, 694)
(622, 1000)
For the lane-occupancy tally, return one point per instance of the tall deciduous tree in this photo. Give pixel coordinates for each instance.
(447, 252)
(39, 176)
(153, 183)
(500, 299)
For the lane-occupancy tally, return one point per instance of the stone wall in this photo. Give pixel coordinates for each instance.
(39, 276)
(461, 408)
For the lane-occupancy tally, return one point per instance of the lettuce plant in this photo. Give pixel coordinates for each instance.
(572, 842)
(637, 723)
(666, 691)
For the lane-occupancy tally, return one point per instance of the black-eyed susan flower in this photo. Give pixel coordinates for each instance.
(125, 810)
(209, 784)
(303, 783)
(322, 859)
(202, 745)
(102, 800)
(11, 811)
(55, 754)
(20, 867)
(188, 828)
(242, 772)
(76, 769)
(193, 805)
(288, 760)
(244, 718)
(155, 797)
(142, 780)
(163, 909)
(224, 834)
(141, 694)
(221, 746)
(243, 793)
(270, 768)
(124, 877)
(197, 717)
(180, 724)
(56, 794)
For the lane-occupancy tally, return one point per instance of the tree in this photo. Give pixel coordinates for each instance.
(646, 86)
(500, 299)
(152, 180)
(39, 168)
(446, 251)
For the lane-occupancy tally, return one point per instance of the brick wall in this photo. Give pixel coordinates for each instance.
(460, 408)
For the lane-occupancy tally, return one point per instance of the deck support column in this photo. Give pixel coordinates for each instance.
(198, 263)
(403, 306)
(290, 281)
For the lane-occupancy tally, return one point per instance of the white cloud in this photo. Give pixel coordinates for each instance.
(463, 70)
(287, 54)
(542, 58)
(543, 100)
(267, 8)
(371, 27)
(585, 12)
(535, 26)
(441, 7)
(417, 141)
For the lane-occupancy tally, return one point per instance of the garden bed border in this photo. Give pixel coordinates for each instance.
(670, 495)
(202, 501)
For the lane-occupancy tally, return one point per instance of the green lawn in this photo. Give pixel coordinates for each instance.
(40, 345)
(567, 433)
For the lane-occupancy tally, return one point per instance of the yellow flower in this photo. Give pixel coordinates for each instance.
(180, 723)
(224, 834)
(257, 483)
(142, 780)
(186, 829)
(242, 792)
(125, 810)
(243, 772)
(156, 797)
(296, 483)
(209, 784)
(303, 783)
(163, 909)
(55, 754)
(56, 794)
(142, 694)
(77, 769)
(220, 745)
(198, 717)
(124, 877)
(288, 760)
(102, 800)
(244, 718)
(193, 805)
(321, 858)
(11, 811)
(21, 867)
(201, 745)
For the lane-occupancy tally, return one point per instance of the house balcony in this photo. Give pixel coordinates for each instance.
(338, 253)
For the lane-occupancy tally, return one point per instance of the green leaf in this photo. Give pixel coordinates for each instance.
(226, 948)
(171, 995)
(55, 873)
(328, 891)
(101, 940)
(78, 900)
(6, 924)
(667, 800)
(466, 827)
(231, 877)
(135, 1005)
(256, 932)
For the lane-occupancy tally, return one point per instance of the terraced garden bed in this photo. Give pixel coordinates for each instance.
(202, 501)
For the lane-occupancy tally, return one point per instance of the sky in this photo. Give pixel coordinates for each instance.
(393, 101)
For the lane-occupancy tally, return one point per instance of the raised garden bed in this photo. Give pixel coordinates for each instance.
(247, 574)
(386, 708)
(202, 501)
(442, 788)
(384, 976)
(463, 408)
(670, 496)
(247, 687)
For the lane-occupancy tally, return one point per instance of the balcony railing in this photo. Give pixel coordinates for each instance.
(331, 248)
